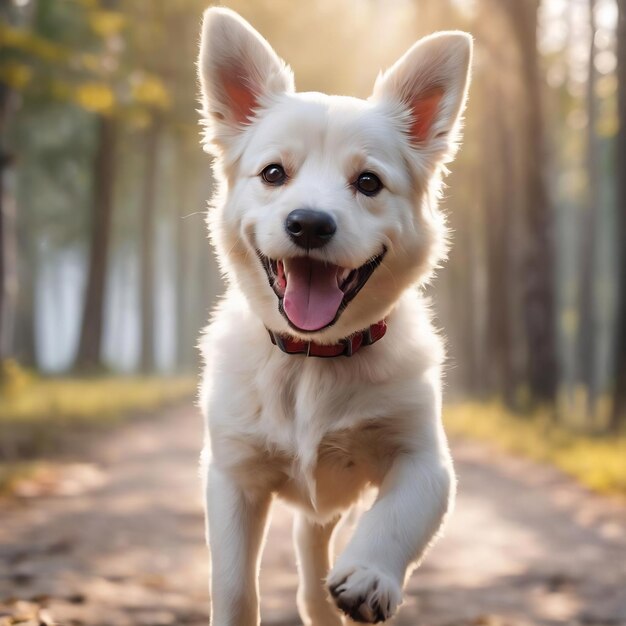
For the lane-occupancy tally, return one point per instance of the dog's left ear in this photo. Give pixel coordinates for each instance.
(239, 71)
(430, 84)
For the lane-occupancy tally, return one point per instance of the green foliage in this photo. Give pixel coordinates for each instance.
(78, 52)
(53, 177)
(72, 61)
(598, 462)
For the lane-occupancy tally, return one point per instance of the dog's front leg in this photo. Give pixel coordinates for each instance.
(237, 522)
(414, 496)
(314, 555)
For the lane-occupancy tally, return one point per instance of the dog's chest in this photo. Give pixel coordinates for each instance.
(322, 472)
(322, 437)
(315, 431)
(343, 463)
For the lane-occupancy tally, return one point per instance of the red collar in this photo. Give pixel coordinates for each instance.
(346, 347)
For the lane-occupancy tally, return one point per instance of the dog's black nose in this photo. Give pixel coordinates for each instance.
(309, 228)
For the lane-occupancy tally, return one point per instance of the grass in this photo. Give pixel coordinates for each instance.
(38, 415)
(597, 461)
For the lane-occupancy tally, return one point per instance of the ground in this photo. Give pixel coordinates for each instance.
(118, 540)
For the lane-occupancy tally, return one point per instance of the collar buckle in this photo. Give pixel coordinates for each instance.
(347, 346)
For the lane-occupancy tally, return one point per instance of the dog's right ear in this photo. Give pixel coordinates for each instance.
(239, 73)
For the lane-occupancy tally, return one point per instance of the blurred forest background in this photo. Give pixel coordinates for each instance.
(106, 277)
(105, 266)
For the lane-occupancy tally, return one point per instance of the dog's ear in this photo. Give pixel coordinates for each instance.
(430, 84)
(239, 72)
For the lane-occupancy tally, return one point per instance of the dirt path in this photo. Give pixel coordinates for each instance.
(120, 542)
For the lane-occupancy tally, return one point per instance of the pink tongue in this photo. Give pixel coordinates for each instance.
(312, 296)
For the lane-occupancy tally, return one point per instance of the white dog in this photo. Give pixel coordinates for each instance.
(325, 226)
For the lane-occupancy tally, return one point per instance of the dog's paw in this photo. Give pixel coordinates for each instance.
(364, 594)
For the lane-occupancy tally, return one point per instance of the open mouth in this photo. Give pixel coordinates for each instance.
(312, 294)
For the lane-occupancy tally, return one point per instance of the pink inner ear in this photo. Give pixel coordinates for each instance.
(241, 98)
(424, 109)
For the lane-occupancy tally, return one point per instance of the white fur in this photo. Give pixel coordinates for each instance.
(316, 432)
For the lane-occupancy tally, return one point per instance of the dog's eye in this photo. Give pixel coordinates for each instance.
(274, 174)
(368, 184)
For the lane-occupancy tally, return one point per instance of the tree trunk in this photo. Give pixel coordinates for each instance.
(539, 267)
(8, 229)
(468, 323)
(499, 247)
(4, 101)
(147, 227)
(618, 416)
(24, 348)
(3, 280)
(5, 160)
(24, 344)
(8, 251)
(586, 306)
(9, 260)
(89, 355)
(184, 225)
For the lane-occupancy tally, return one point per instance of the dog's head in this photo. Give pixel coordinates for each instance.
(327, 210)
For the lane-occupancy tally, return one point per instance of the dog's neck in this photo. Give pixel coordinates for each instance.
(345, 347)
